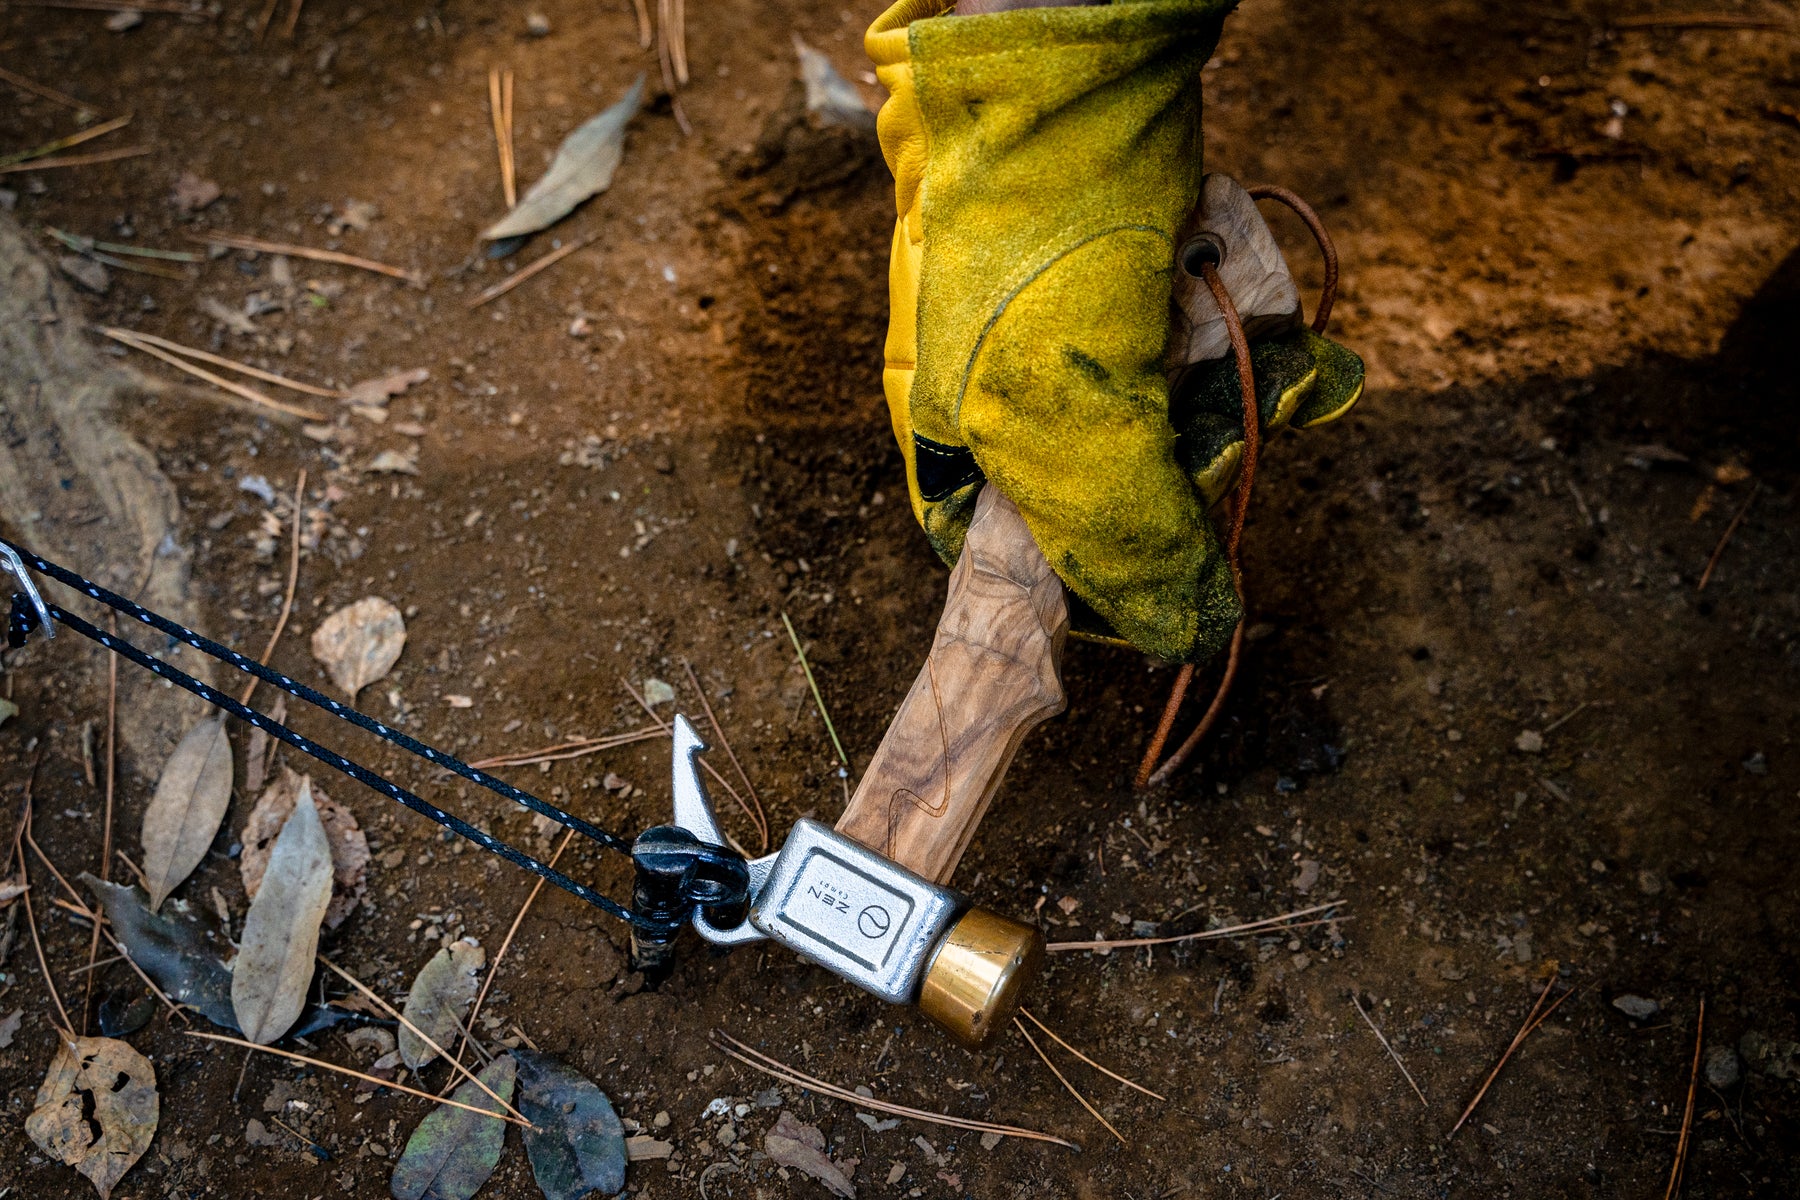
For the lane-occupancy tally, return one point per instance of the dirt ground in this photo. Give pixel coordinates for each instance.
(1569, 248)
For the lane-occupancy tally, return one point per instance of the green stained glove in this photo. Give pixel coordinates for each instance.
(1044, 159)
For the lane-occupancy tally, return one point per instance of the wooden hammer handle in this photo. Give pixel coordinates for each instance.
(993, 674)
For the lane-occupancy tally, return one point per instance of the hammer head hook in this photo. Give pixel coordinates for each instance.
(9, 558)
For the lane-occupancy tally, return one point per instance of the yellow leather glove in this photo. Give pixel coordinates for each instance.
(1043, 161)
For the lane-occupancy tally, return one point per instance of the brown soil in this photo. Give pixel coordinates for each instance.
(1563, 242)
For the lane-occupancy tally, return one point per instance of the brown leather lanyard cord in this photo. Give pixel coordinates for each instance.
(1148, 774)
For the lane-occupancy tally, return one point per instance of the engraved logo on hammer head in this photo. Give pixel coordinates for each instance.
(873, 921)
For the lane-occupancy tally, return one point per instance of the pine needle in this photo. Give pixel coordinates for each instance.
(814, 685)
(238, 241)
(1532, 1020)
(1051, 1034)
(1392, 1053)
(48, 93)
(759, 1061)
(237, 389)
(1687, 1115)
(219, 360)
(63, 143)
(287, 599)
(1278, 924)
(506, 944)
(526, 272)
(401, 1017)
(376, 1080)
(578, 748)
(1092, 1111)
(76, 160)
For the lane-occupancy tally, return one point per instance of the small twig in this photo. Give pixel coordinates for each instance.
(262, 21)
(761, 819)
(76, 160)
(401, 1017)
(48, 93)
(708, 767)
(793, 637)
(374, 1079)
(506, 943)
(1392, 1053)
(218, 381)
(63, 143)
(756, 1060)
(1725, 538)
(303, 1139)
(1557, 724)
(293, 21)
(645, 33)
(1051, 1034)
(238, 241)
(1281, 923)
(96, 965)
(1532, 1021)
(287, 599)
(526, 272)
(219, 360)
(562, 751)
(1060, 1078)
(1687, 1115)
(678, 40)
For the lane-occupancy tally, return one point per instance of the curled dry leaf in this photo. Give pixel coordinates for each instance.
(375, 393)
(349, 848)
(583, 167)
(576, 1144)
(185, 813)
(97, 1109)
(360, 643)
(274, 966)
(793, 1143)
(453, 1151)
(444, 988)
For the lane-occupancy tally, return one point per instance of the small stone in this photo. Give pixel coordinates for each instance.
(1529, 742)
(257, 1134)
(1722, 1067)
(660, 1120)
(86, 272)
(1308, 877)
(657, 692)
(537, 25)
(125, 19)
(726, 1136)
(1638, 1008)
(1649, 882)
(989, 1140)
(897, 1172)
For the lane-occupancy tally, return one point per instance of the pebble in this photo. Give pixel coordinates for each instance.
(86, 272)
(537, 25)
(1722, 1067)
(1638, 1008)
(660, 1120)
(1529, 742)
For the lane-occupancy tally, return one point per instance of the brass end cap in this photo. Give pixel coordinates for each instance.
(974, 979)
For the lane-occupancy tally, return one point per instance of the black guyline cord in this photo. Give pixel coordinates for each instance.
(22, 622)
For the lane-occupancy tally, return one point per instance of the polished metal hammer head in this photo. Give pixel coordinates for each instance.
(866, 918)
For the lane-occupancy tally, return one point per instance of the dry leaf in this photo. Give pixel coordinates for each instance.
(793, 1143)
(575, 1142)
(359, 644)
(193, 193)
(227, 316)
(435, 1003)
(97, 1109)
(274, 965)
(188, 807)
(454, 1151)
(374, 393)
(583, 167)
(349, 848)
(9, 1027)
(395, 462)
